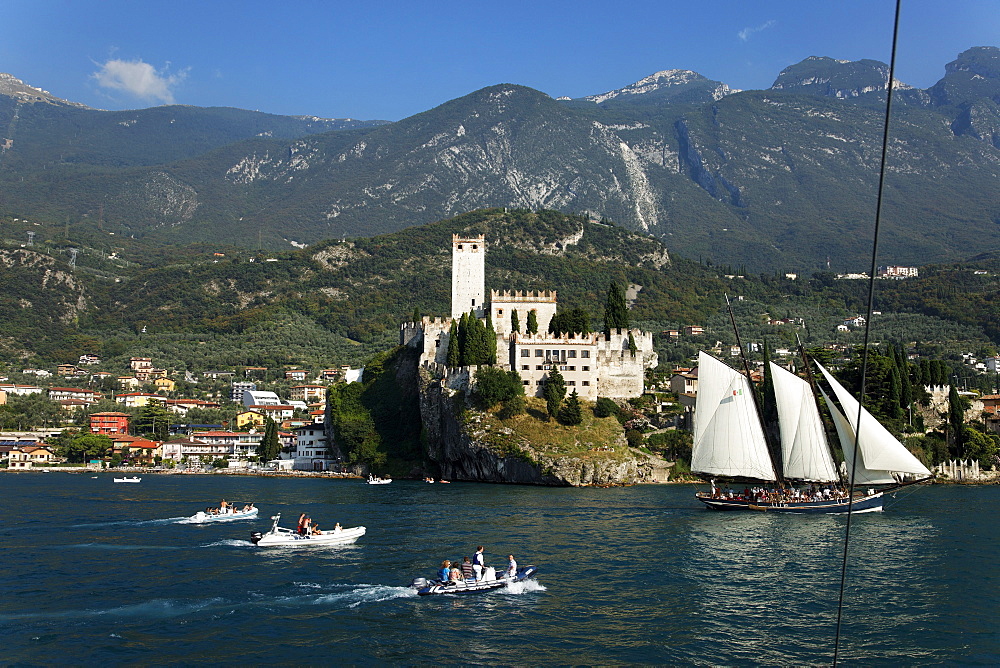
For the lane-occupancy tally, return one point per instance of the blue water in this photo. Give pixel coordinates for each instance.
(93, 572)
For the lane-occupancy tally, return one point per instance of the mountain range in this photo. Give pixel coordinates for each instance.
(778, 179)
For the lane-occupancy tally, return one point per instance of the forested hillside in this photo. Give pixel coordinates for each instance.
(341, 301)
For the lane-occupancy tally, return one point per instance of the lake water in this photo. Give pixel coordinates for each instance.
(100, 573)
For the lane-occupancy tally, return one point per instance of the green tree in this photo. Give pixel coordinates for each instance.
(416, 315)
(153, 421)
(554, 391)
(454, 346)
(615, 309)
(495, 386)
(85, 447)
(269, 445)
(532, 327)
(632, 348)
(979, 446)
(515, 323)
(571, 413)
(956, 421)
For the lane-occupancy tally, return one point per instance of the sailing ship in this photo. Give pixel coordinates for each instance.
(729, 441)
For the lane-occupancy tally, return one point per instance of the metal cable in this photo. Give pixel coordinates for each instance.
(868, 325)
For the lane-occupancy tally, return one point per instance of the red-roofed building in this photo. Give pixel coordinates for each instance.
(109, 423)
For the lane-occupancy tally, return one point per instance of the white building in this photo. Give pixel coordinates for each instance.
(261, 398)
(311, 451)
(593, 364)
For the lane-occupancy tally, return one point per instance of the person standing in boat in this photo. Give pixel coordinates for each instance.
(511, 566)
(478, 563)
(303, 523)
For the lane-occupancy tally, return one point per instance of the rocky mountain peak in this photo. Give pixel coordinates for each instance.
(820, 75)
(17, 89)
(669, 82)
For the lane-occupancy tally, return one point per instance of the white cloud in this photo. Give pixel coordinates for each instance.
(139, 79)
(745, 34)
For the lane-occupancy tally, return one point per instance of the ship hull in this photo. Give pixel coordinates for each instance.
(869, 503)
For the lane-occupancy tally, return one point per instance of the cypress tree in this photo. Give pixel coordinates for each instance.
(632, 348)
(895, 394)
(956, 420)
(571, 413)
(615, 310)
(454, 346)
(416, 315)
(463, 340)
(515, 323)
(269, 445)
(554, 391)
(491, 342)
(532, 322)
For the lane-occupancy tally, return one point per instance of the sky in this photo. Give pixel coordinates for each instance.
(387, 59)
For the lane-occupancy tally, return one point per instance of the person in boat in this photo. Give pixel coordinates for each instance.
(467, 571)
(247, 507)
(315, 530)
(511, 566)
(223, 506)
(303, 524)
(337, 527)
(445, 573)
(478, 563)
(455, 577)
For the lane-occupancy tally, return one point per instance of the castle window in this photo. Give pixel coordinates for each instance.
(538, 367)
(586, 368)
(527, 382)
(539, 353)
(586, 382)
(571, 353)
(524, 367)
(475, 246)
(525, 352)
(572, 368)
(459, 246)
(499, 312)
(585, 354)
(571, 382)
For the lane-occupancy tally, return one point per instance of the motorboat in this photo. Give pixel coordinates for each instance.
(282, 537)
(372, 480)
(132, 479)
(488, 582)
(227, 514)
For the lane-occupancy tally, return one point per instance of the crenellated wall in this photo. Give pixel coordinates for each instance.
(542, 302)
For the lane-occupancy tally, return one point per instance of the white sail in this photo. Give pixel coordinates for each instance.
(728, 437)
(880, 450)
(845, 433)
(805, 453)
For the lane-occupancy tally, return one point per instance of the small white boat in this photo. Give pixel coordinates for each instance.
(132, 479)
(224, 515)
(372, 480)
(489, 581)
(282, 537)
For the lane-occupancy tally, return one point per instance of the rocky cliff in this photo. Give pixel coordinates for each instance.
(467, 444)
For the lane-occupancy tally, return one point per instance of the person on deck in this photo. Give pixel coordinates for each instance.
(511, 566)
(478, 563)
(467, 570)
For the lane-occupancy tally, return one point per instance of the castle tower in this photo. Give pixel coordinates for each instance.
(468, 274)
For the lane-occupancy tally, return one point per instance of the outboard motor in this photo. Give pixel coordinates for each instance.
(419, 583)
(255, 537)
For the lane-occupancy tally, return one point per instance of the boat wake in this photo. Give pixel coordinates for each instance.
(336, 596)
(116, 523)
(119, 547)
(523, 587)
(229, 542)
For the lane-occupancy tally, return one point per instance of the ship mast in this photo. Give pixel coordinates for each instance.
(775, 462)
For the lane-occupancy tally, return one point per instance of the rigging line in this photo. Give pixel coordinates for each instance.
(868, 325)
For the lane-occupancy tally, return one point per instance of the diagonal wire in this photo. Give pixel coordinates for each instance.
(868, 324)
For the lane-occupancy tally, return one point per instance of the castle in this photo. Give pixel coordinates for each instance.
(595, 365)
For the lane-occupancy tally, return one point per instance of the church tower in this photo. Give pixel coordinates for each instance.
(468, 275)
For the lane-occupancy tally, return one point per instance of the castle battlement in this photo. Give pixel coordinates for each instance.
(518, 296)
